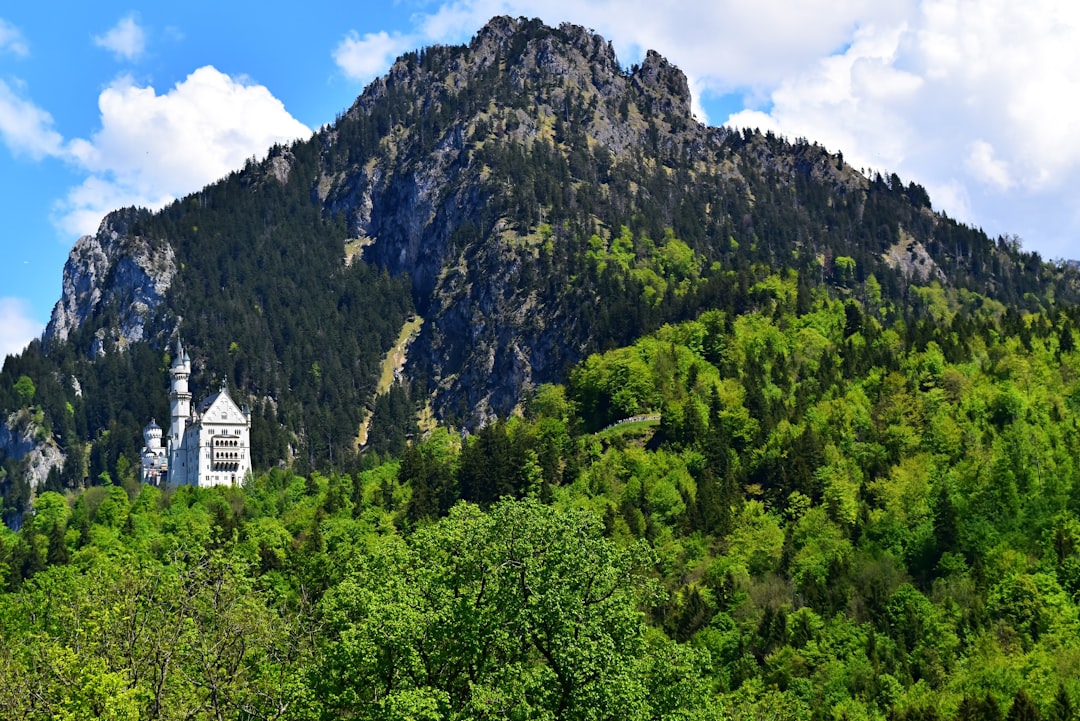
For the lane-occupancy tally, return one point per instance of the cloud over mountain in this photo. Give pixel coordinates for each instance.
(154, 147)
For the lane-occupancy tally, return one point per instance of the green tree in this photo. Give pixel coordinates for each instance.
(24, 390)
(1061, 708)
(523, 607)
(1023, 708)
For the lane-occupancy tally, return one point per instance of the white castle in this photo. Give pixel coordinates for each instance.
(210, 447)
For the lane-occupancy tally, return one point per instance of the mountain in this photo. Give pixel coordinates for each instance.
(529, 198)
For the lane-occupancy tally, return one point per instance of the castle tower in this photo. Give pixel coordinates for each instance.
(154, 465)
(207, 445)
(152, 436)
(179, 402)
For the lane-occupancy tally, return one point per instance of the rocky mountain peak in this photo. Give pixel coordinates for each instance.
(114, 273)
(666, 83)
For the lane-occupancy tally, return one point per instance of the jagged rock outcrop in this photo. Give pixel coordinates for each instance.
(911, 259)
(117, 279)
(24, 440)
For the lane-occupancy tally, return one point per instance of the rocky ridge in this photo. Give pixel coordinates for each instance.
(115, 277)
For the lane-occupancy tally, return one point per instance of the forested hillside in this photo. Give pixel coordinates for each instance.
(838, 514)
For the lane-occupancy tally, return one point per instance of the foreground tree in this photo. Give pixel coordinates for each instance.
(525, 611)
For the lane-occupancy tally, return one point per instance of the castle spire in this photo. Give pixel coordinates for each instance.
(179, 401)
(181, 355)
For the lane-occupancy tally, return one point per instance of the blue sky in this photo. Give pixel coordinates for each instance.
(111, 103)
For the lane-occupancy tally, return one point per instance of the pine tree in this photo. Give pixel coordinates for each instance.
(1061, 709)
(58, 552)
(1023, 708)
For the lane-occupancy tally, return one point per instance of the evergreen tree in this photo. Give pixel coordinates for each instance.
(1061, 708)
(1023, 708)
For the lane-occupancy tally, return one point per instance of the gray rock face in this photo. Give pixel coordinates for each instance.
(112, 271)
(24, 441)
(420, 200)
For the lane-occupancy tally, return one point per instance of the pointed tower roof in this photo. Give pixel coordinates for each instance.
(181, 354)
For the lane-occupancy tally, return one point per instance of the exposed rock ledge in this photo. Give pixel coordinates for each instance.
(911, 258)
(23, 440)
(113, 269)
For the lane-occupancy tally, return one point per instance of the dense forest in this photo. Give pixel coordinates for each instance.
(819, 509)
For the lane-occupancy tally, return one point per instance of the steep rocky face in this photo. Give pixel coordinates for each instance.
(116, 279)
(407, 194)
(435, 199)
(23, 440)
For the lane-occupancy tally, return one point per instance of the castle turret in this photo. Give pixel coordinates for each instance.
(152, 436)
(180, 397)
(155, 465)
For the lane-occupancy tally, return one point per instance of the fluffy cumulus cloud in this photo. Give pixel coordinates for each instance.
(17, 328)
(974, 99)
(154, 147)
(126, 40)
(151, 148)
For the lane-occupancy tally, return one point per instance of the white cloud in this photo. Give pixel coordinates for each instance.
(844, 101)
(362, 58)
(152, 148)
(26, 128)
(12, 40)
(952, 196)
(17, 327)
(755, 120)
(126, 40)
(983, 163)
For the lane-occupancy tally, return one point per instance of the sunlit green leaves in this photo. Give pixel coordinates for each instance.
(523, 609)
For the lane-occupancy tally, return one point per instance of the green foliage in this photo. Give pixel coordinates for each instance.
(519, 608)
(24, 390)
(798, 531)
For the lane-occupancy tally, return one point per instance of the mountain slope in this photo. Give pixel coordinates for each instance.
(530, 198)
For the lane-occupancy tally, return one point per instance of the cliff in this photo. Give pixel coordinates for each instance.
(114, 280)
(23, 440)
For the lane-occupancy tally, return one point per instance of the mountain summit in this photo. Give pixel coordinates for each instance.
(526, 196)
